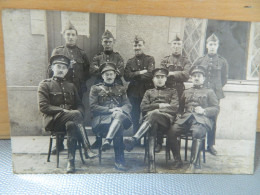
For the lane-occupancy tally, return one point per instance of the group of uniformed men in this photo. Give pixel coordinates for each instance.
(157, 95)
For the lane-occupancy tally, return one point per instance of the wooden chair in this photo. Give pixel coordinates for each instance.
(147, 150)
(57, 136)
(188, 136)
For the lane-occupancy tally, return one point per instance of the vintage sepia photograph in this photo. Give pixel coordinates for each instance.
(113, 93)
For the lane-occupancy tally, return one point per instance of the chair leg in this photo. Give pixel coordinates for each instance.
(146, 153)
(186, 147)
(49, 152)
(80, 152)
(99, 140)
(167, 152)
(58, 149)
(204, 156)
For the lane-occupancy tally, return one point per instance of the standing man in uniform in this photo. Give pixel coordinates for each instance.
(159, 107)
(178, 67)
(138, 72)
(79, 67)
(108, 55)
(62, 109)
(79, 63)
(111, 112)
(199, 107)
(216, 77)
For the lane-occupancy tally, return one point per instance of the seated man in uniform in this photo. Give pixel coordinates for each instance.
(62, 109)
(159, 107)
(111, 112)
(199, 107)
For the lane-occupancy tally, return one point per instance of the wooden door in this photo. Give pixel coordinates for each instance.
(91, 45)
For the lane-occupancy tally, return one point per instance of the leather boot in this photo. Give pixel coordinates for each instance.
(119, 153)
(86, 145)
(175, 148)
(151, 156)
(113, 129)
(195, 154)
(72, 144)
(131, 142)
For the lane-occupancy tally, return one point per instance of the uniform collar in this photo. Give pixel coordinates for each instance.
(160, 88)
(109, 85)
(108, 52)
(58, 78)
(213, 56)
(176, 56)
(197, 87)
(71, 47)
(140, 56)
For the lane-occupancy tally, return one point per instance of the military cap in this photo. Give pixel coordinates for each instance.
(195, 69)
(106, 66)
(69, 26)
(177, 38)
(60, 59)
(138, 38)
(160, 71)
(213, 38)
(107, 34)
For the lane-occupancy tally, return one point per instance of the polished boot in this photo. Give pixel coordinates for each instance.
(159, 141)
(175, 148)
(86, 145)
(113, 129)
(131, 142)
(72, 144)
(95, 144)
(195, 154)
(119, 153)
(151, 156)
(158, 148)
(212, 150)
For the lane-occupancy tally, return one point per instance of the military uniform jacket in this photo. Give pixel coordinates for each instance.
(180, 66)
(139, 83)
(193, 97)
(217, 73)
(104, 97)
(79, 70)
(54, 95)
(102, 57)
(153, 97)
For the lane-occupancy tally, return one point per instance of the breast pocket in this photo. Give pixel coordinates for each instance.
(102, 97)
(56, 98)
(202, 100)
(70, 97)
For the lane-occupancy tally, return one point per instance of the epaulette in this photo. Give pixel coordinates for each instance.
(47, 80)
(153, 89)
(222, 57)
(60, 47)
(100, 53)
(167, 56)
(98, 84)
(80, 49)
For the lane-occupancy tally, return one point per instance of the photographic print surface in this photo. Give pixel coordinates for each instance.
(137, 94)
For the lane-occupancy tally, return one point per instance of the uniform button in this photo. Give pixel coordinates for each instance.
(107, 60)
(62, 87)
